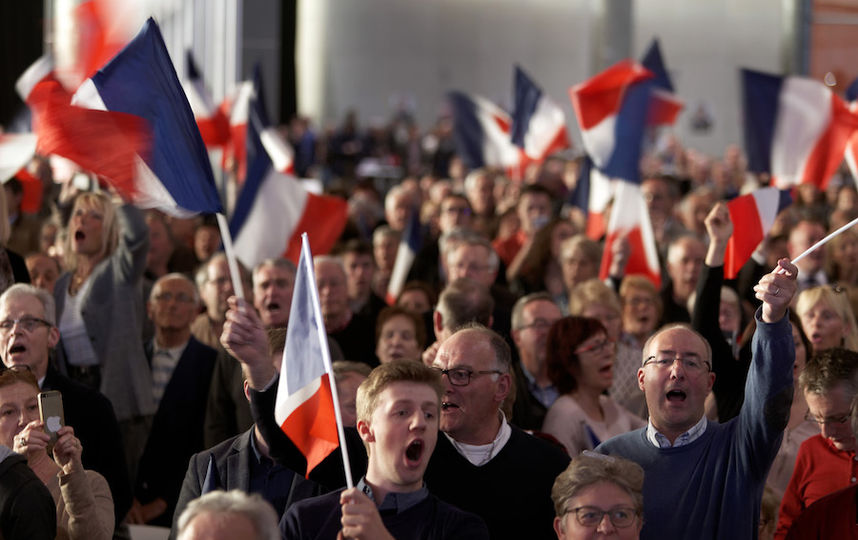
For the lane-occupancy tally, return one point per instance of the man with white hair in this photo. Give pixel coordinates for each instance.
(228, 515)
(684, 264)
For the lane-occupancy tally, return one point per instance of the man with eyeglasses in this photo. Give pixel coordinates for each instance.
(181, 375)
(481, 464)
(704, 479)
(28, 332)
(826, 462)
(532, 316)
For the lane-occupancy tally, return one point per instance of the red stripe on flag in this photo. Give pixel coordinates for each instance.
(214, 130)
(323, 220)
(31, 200)
(827, 154)
(637, 265)
(596, 226)
(746, 221)
(600, 96)
(312, 426)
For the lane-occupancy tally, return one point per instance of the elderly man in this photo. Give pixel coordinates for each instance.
(532, 316)
(215, 286)
(27, 334)
(463, 301)
(704, 479)
(181, 375)
(228, 515)
(481, 464)
(684, 264)
(826, 462)
(227, 411)
(350, 331)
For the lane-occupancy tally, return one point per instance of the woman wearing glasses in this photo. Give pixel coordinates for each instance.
(598, 496)
(82, 497)
(580, 361)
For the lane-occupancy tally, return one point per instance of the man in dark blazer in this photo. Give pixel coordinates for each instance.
(86, 410)
(181, 375)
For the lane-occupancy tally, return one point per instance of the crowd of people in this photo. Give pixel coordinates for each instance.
(506, 392)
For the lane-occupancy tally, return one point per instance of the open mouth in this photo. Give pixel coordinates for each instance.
(14, 349)
(414, 451)
(676, 395)
(79, 235)
(605, 370)
(447, 405)
(273, 306)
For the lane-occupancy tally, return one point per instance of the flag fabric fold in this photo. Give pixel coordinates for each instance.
(269, 196)
(753, 216)
(593, 194)
(409, 246)
(795, 128)
(630, 219)
(304, 407)
(211, 120)
(664, 106)
(481, 130)
(538, 123)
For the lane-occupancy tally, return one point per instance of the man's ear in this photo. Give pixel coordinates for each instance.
(641, 378)
(503, 387)
(365, 431)
(437, 322)
(53, 337)
(247, 390)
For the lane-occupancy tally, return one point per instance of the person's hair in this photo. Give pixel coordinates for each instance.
(158, 216)
(464, 301)
(593, 291)
(517, 317)
(827, 369)
(640, 283)
(45, 298)
(109, 226)
(707, 349)
(344, 367)
(18, 374)
(383, 231)
(534, 266)
(355, 246)
(421, 286)
(396, 191)
(503, 354)
(223, 504)
(589, 248)
(680, 241)
(386, 374)
(470, 238)
(835, 297)
(473, 176)
(535, 189)
(398, 311)
(179, 276)
(590, 468)
(329, 259)
(564, 336)
(278, 262)
(796, 323)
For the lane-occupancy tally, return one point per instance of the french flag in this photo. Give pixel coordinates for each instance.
(630, 219)
(753, 216)
(211, 120)
(612, 109)
(482, 132)
(796, 129)
(238, 107)
(304, 407)
(173, 172)
(409, 246)
(538, 123)
(16, 151)
(664, 106)
(593, 194)
(270, 198)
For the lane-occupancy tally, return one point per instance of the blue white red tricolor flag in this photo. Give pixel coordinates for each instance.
(304, 407)
(753, 216)
(630, 219)
(796, 129)
(211, 120)
(538, 123)
(593, 194)
(173, 172)
(482, 132)
(270, 197)
(409, 246)
(664, 105)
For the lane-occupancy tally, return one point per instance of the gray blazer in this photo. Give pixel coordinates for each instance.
(113, 315)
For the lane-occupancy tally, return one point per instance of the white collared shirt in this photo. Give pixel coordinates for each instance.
(660, 441)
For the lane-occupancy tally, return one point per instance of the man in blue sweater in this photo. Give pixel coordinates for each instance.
(704, 479)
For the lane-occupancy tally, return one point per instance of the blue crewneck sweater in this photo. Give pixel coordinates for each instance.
(712, 487)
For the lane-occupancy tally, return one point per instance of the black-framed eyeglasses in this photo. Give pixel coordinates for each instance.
(596, 347)
(591, 516)
(462, 376)
(27, 323)
(665, 360)
(840, 419)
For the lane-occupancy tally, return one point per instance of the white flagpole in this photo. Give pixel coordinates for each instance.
(307, 259)
(230, 256)
(824, 241)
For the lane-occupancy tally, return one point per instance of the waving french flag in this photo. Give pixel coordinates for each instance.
(409, 246)
(16, 151)
(538, 123)
(612, 109)
(796, 129)
(273, 208)
(630, 220)
(753, 216)
(173, 172)
(593, 194)
(664, 106)
(211, 119)
(482, 132)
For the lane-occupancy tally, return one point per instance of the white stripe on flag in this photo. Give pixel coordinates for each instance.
(804, 113)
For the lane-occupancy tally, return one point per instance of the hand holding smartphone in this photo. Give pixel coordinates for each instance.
(51, 414)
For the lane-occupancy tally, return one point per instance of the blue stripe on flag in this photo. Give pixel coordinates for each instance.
(468, 131)
(527, 96)
(760, 102)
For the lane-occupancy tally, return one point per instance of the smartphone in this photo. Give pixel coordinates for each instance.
(51, 414)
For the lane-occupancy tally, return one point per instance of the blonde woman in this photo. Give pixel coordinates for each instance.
(827, 318)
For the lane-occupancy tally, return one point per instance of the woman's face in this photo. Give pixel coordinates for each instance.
(86, 229)
(18, 407)
(594, 499)
(800, 353)
(729, 316)
(845, 252)
(577, 267)
(608, 316)
(640, 312)
(561, 232)
(823, 326)
(596, 363)
(398, 340)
